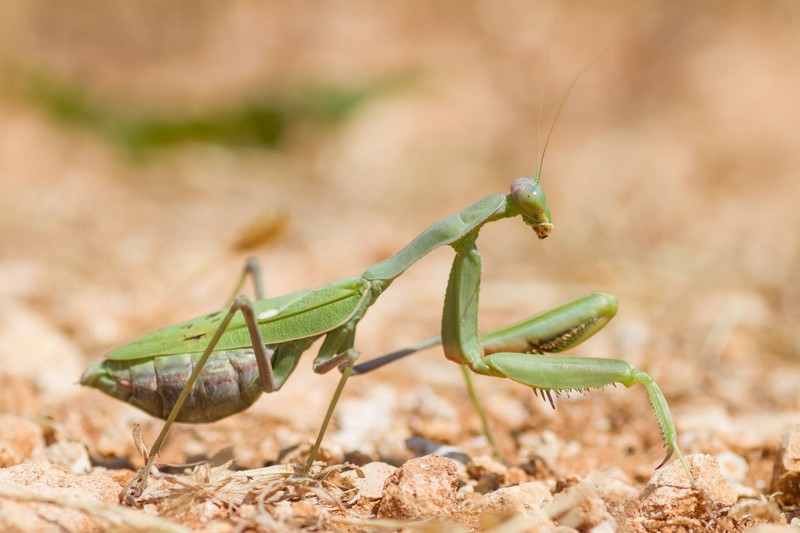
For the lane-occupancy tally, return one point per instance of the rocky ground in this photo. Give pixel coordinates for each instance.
(147, 151)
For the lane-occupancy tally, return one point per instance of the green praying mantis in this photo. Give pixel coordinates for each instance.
(216, 365)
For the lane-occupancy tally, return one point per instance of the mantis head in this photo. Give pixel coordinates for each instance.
(532, 203)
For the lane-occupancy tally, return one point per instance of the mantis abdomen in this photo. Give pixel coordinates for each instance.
(227, 384)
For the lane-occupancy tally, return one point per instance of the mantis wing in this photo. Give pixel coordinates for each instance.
(298, 315)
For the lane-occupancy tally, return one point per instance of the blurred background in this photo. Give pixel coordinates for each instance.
(148, 148)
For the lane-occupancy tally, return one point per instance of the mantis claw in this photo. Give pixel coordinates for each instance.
(670, 452)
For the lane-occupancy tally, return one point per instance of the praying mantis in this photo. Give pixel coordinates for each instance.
(218, 364)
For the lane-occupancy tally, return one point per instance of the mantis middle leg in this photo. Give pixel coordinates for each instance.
(336, 352)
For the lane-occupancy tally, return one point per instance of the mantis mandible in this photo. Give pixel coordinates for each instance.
(216, 365)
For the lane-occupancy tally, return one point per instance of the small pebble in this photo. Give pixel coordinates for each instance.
(375, 476)
(421, 488)
(526, 498)
(669, 495)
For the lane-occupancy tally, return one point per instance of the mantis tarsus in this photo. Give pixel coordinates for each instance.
(216, 365)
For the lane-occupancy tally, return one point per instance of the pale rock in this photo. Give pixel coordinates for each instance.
(375, 476)
(421, 488)
(669, 495)
(525, 498)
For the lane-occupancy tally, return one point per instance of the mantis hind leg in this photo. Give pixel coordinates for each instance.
(251, 269)
(267, 378)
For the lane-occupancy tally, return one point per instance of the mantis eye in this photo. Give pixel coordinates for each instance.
(532, 202)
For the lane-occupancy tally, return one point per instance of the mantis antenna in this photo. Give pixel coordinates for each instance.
(538, 165)
(560, 105)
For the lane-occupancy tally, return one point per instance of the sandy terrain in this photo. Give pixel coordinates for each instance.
(147, 150)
